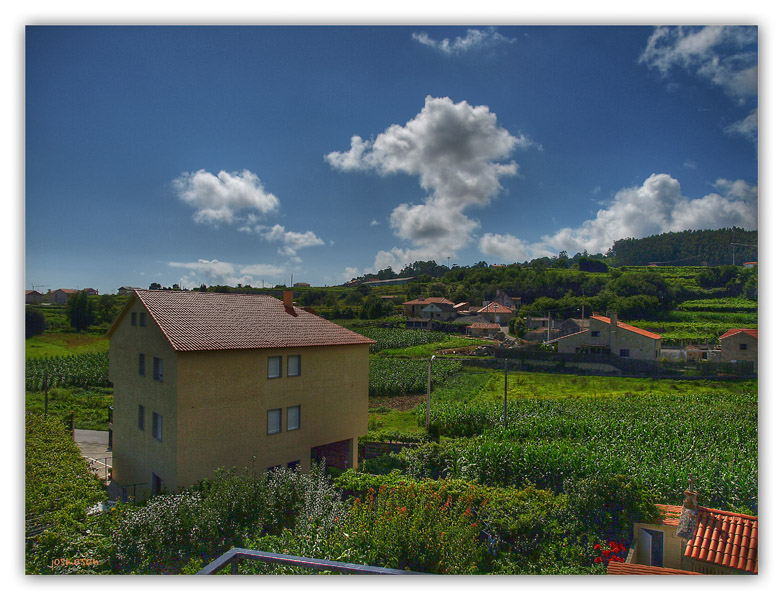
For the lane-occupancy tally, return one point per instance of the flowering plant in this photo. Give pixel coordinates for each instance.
(614, 553)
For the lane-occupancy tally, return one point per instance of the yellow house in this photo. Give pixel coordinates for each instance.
(204, 381)
(608, 335)
(723, 543)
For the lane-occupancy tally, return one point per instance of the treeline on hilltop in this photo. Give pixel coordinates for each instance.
(708, 247)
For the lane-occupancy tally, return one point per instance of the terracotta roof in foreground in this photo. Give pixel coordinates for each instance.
(722, 538)
(622, 325)
(618, 568)
(210, 321)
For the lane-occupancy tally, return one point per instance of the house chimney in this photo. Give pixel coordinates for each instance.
(690, 512)
(288, 298)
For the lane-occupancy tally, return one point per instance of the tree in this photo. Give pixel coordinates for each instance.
(154, 286)
(34, 321)
(80, 311)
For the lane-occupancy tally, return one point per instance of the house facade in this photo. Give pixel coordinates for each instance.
(205, 381)
(441, 309)
(33, 297)
(723, 543)
(740, 346)
(607, 335)
(60, 296)
(497, 313)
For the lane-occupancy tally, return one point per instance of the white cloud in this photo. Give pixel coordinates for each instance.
(374, 222)
(747, 128)
(350, 273)
(216, 272)
(455, 151)
(657, 206)
(725, 56)
(290, 242)
(474, 39)
(222, 198)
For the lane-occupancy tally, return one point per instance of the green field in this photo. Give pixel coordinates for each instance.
(64, 344)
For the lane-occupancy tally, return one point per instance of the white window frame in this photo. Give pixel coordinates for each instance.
(296, 410)
(157, 369)
(298, 370)
(157, 426)
(270, 430)
(271, 360)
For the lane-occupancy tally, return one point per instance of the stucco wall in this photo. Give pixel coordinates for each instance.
(224, 397)
(730, 349)
(136, 453)
(639, 346)
(672, 545)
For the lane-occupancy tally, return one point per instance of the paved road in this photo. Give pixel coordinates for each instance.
(95, 445)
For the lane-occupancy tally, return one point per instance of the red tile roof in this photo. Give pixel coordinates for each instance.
(494, 307)
(619, 568)
(208, 321)
(485, 326)
(730, 332)
(429, 301)
(631, 328)
(722, 538)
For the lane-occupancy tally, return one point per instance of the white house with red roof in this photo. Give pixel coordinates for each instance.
(497, 313)
(607, 335)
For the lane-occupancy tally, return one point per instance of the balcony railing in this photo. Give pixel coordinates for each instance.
(234, 555)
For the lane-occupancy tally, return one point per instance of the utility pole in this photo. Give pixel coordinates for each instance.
(429, 391)
(505, 398)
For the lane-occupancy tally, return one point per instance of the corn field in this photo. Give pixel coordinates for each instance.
(658, 439)
(79, 370)
(387, 338)
(403, 376)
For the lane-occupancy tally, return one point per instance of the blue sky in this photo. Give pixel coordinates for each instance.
(225, 155)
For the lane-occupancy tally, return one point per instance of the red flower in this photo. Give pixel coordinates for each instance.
(597, 559)
(606, 552)
(597, 547)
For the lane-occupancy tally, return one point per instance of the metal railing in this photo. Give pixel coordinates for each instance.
(234, 555)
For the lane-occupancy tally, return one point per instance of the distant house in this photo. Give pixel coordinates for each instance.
(483, 329)
(462, 307)
(750, 265)
(740, 346)
(607, 335)
(90, 291)
(60, 296)
(127, 290)
(33, 297)
(204, 380)
(506, 300)
(301, 284)
(570, 326)
(437, 306)
(701, 353)
(497, 313)
(722, 543)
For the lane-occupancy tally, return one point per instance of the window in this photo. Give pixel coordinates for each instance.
(743, 346)
(625, 353)
(156, 484)
(293, 465)
(294, 365)
(651, 546)
(292, 417)
(141, 417)
(157, 426)
(133, 319)
(142, 319)
(271, 469)
(273, 420)
(274, 367)
(141, 364)
(595, 334)
(157, 369)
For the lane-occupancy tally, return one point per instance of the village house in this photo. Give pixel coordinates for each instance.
(722, 543)
(608, 335)
(570, 326)
(480, 329)
(60, 296)
(33, 297)
(740, 346)
(441, 309)
(204, 381)
(497, 313)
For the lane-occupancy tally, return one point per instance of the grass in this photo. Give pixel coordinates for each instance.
(425, 350)
(90, 407)
(64, 344)
(401, 421)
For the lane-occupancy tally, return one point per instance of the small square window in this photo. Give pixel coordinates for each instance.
(294, 365)
(142, 319)
(293, 465)
(157, 426)
(273, 420)
(595, 334)
(157, 369)
(141, 364)
(141, 417)
(625, 353)
(293, 417)
(133, 319)
(743, 346)
(274, 367)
